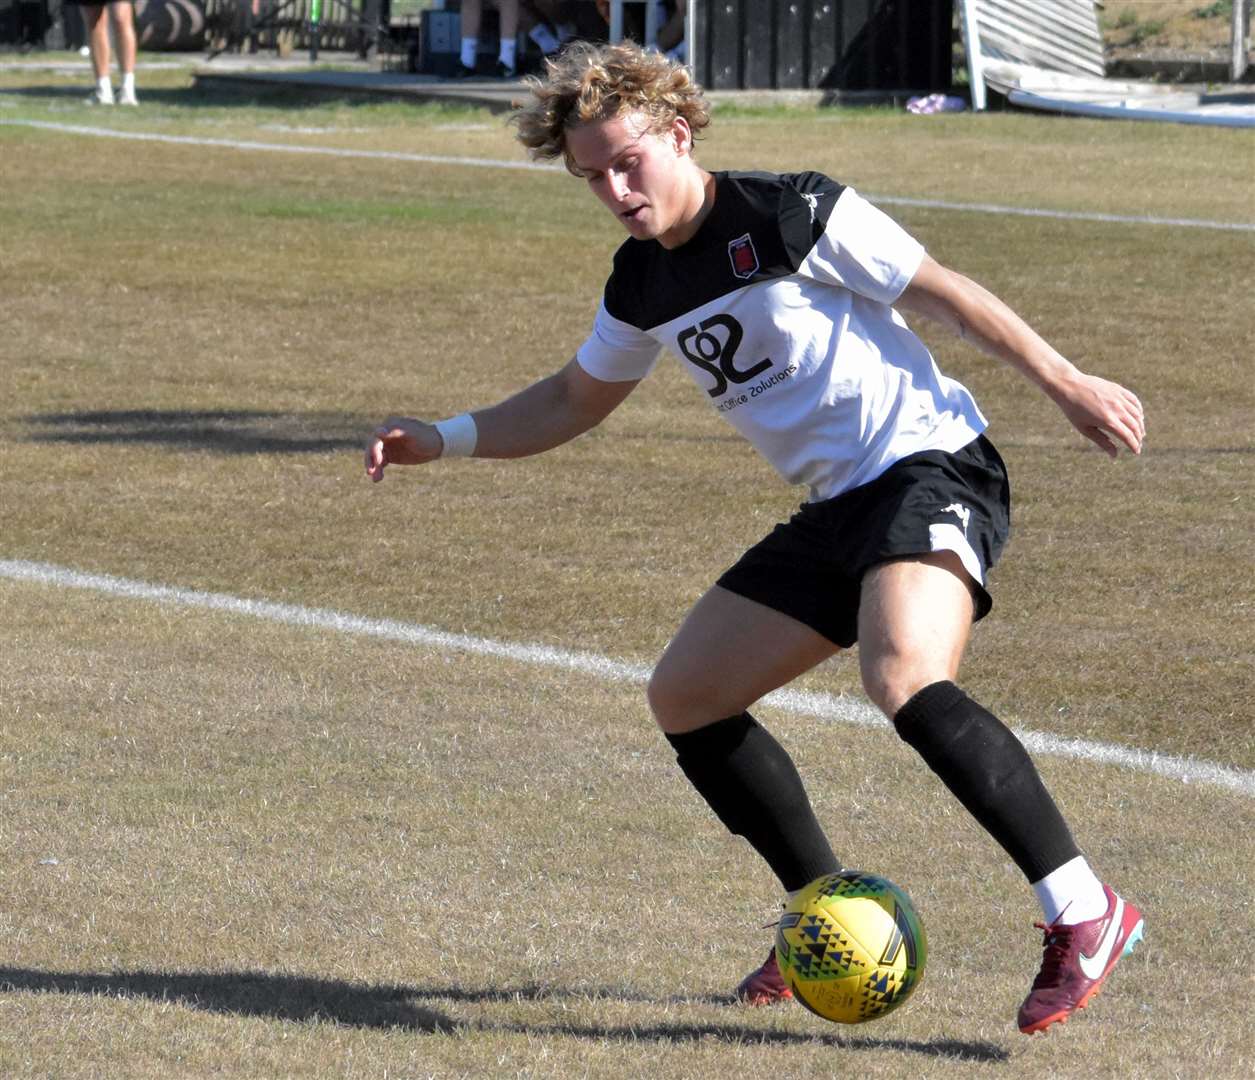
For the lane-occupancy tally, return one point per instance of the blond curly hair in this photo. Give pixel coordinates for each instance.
(588, 82)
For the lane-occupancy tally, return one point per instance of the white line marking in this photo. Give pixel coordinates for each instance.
(280, 148)
(801, 702)
(1066, 215)
(491, 163)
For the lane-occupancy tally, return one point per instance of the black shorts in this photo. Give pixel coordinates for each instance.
(811, 567)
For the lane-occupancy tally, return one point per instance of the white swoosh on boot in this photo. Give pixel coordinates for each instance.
(1093, 966)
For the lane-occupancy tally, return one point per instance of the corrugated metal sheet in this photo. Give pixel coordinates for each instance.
(1087, 95)
(838, 45)
(1060, 35)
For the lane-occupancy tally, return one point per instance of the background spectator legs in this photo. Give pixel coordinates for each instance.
(122, 14)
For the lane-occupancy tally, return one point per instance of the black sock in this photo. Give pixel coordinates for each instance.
(753, 787)
(988, 770)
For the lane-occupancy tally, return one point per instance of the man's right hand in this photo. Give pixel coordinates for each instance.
(401, 440)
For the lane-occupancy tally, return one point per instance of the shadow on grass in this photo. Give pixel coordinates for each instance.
(246, 993)
(223, 431)
(241, 431)
(300, 999)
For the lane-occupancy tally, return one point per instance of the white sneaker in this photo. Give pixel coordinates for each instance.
(99, 98)
(127, 97)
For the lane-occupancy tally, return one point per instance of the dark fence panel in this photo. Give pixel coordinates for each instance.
(890, 45)
(284, 25)
(759, 43)
(792, 59)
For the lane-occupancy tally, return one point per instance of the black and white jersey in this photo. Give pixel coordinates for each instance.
(781, 308)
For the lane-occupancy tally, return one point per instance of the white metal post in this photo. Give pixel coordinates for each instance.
(975, 62)
(1240, 27)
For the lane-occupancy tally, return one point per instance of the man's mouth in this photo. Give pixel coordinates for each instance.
(633, 214)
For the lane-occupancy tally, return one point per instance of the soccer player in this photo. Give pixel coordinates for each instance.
(781, 296)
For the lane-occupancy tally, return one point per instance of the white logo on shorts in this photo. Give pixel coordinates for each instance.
(959, 511)
(813, 202)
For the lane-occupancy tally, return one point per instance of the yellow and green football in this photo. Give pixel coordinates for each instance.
(851, 947)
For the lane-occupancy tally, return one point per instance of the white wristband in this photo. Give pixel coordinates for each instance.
(459, 434)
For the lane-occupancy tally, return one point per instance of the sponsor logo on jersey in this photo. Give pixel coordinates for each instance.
(743, 256)
(736, 400)
(711, 345)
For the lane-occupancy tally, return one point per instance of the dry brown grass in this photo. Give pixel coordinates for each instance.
(281, 853)
(1196, 28)
(291, 853)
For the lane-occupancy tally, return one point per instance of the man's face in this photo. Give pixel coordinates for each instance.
(647, 180)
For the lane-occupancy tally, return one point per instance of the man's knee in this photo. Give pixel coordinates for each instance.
(681, 701)
(891, 681)
(670, 697)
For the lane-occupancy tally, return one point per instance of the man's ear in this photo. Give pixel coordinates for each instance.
(682, 135)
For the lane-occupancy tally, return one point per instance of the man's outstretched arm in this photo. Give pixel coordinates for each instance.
(1104, 412)
(546, 414)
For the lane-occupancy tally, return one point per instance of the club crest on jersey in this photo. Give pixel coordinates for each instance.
(744, 257)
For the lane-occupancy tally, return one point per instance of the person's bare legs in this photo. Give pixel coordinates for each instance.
(472, 23)
(914, 619)
(508, 10)
(97, 38)
(123, 15)
(472, 16)
(727, 654)
(508, 40)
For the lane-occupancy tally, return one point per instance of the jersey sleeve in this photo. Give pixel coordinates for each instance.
(616, 351)
(864, 250)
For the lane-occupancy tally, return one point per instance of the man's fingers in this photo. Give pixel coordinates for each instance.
(1129, 426)
(397, 441)
(394, 427)
(1130, 440)
(1132, 436)
(1136, 413)
(376, 457)
(1113, 415)
(1100, 438)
